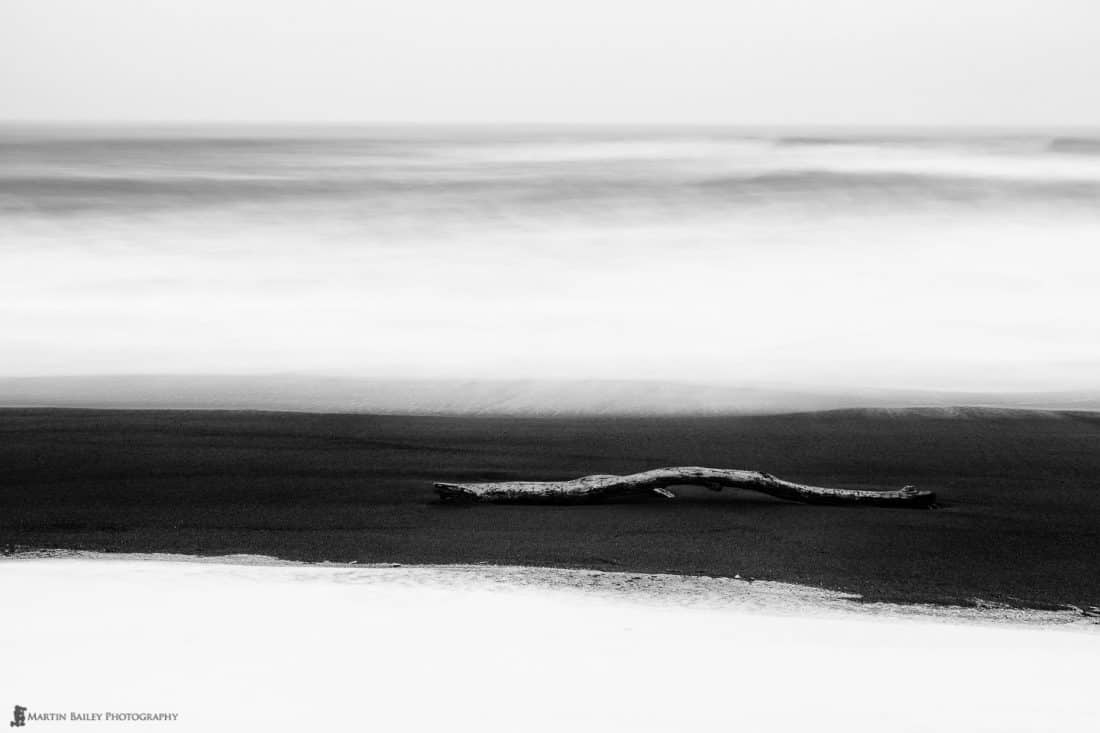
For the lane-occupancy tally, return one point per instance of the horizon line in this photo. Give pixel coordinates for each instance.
(688, 124)
(796, 387)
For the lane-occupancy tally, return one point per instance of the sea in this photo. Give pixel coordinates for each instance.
(947, 259)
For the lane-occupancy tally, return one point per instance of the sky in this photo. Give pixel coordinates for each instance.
(796, 62)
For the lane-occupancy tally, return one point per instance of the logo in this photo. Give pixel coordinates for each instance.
(20, 716)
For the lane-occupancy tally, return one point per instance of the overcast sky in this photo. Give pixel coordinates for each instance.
(979, 62)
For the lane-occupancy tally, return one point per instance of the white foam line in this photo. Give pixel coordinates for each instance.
(663, 589)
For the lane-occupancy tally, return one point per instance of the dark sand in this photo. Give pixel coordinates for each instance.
(1020, 523)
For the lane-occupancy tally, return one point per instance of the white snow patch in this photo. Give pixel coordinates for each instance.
(247, 643)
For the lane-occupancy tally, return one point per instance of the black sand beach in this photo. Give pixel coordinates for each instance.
(1020, 522)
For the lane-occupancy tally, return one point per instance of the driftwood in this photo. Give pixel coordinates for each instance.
(589, 489)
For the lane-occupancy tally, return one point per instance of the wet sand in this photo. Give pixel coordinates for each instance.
(1020, 523)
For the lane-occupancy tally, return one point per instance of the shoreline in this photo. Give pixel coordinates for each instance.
(656, 589)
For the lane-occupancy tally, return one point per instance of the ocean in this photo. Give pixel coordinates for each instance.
(952, 260)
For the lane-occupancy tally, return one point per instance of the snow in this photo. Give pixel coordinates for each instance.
(248, 644)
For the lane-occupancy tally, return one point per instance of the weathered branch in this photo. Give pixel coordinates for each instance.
(601, 487)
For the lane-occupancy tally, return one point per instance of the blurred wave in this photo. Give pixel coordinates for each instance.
(944, 261)
(568, 173)
(1075, 145)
